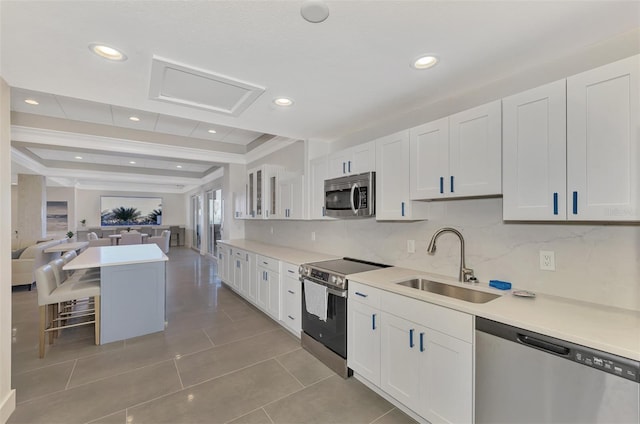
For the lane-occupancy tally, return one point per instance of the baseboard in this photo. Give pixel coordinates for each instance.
(7, 406)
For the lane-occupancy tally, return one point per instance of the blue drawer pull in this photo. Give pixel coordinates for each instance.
(373, 321)
(361, 294)
(411, 338)
(349, 166)
(421, 342)
(402, 208)
(555, 203)
(441, 185)
(575, 202)
(452, 184)
(343, 168)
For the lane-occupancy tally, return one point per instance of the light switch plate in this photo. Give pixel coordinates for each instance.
(547, 260)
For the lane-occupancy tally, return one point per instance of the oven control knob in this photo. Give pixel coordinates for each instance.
(334, 279)
(340, 282)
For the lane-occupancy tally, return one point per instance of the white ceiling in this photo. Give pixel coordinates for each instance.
(344, 74)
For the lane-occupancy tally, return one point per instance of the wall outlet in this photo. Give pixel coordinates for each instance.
(547, 260)
(313, 236)
(411, 246)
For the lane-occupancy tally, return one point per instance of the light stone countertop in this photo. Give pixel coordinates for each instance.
(286, 254)
(95, 257)
(612, 330)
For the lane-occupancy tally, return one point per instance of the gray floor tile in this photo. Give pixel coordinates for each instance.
(98, 399)
(117, 418)
(304, 366)
(137, 353)
(256, 417)
(396, 416)
(333, 400)
(223, 359)
(251, 326)
(221, 399)
(43, 381)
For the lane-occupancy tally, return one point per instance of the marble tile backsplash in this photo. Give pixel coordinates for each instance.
(594, 263)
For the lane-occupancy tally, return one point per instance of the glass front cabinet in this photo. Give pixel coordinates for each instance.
(262, 192)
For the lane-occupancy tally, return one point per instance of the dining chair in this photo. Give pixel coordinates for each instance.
(130, 238)
(162, 240)
(50, 295)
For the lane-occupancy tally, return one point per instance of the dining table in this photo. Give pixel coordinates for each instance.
(117, 237)
(65, 247)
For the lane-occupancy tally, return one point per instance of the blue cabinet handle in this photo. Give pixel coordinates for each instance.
(349, 166)
(343, 168)
(421, 342)
(373, 321)
(555, 203)
(452, 184)
(290, 317)
(323, 211)
(575, 203)
(292, 292)
(402, 208)
(441, 185)
(411, 338)
(361, 294)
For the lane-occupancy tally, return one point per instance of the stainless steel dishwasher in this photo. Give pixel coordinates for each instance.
(526, 377)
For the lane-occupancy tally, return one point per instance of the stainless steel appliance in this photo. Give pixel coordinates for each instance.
(327, 339)
(526, 377)
(352, 196)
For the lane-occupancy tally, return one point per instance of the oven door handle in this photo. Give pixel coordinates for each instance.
(339, 293)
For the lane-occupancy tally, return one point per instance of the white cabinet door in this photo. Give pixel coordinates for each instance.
(534, 154)
(247, 285)
(429, 164)
(475, 151)
(318, 172)
(262, 300)
(354, 160)
(291, 299)
(290, 203)
(363, 158)
(364, 341)
(273, 282)
(393, 198)
(446, 378)
(603, 142)
(238, 267)
(222, 262)
(398, 359)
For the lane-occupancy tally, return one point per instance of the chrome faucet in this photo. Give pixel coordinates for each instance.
(466, 274)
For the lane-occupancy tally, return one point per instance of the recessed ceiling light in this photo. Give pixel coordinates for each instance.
(32, 102)
(283, 101)
(424, 62)
(178, 166)
(107, 52)
(134, 118)
(78, 157)
(314, 11)
(132, 162)
(212, 131)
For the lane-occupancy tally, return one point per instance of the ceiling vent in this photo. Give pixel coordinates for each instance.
(186, 86)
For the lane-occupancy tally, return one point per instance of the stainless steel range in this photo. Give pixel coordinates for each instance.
(324, 309)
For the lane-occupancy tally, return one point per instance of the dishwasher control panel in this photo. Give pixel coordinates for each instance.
(630, 371)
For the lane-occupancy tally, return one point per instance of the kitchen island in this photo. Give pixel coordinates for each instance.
(132, 282)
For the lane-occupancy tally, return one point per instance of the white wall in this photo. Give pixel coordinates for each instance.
(7, 396)
(88, 206)
(594, 263)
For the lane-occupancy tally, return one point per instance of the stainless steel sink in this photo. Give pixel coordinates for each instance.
(462, 293)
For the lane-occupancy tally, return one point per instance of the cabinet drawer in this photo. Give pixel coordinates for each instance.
(289, 270)
(454, 323)
(268, 263)
(364, 294)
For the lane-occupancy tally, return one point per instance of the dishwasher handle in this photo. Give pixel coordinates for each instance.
(544, 345)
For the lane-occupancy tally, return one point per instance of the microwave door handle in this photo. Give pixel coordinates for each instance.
(353, 206)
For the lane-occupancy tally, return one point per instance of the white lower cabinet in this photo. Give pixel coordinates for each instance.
(418, 353)
(291, 298)
(268, 277)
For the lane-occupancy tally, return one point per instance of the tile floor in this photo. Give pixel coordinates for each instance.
(220, 360)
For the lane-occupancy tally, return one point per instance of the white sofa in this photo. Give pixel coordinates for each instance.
(31, 258)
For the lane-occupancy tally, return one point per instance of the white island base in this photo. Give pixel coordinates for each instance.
(132, 286)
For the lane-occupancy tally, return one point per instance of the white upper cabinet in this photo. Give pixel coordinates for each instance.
(290, 202)
(534, 154)
(262, 191)
(458, 156)
(603, 142)
(393, 200)
(572, 148)
(354, 160)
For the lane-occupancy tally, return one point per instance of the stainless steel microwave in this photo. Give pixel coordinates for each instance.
(353, 196)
